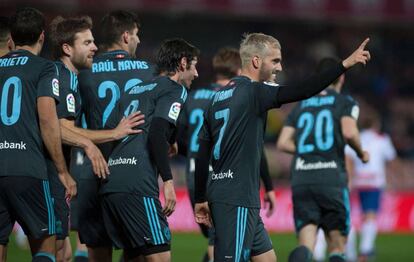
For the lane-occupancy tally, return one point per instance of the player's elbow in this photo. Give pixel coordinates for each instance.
(349, 133)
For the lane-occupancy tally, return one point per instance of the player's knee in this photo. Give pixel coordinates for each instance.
(43, 257)
(300, 254)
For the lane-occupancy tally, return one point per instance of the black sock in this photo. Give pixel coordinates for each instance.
(81, 256)
(337, 257)
(300, 254)
(43, 257)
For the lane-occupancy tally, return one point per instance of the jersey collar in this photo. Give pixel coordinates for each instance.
(119, 54)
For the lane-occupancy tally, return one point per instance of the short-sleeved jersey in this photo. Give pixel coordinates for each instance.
(319, 156)
(192, 115)
(234, 125)
(112, 74)
(131, 167)
(381, 150)
(69, 106)
(23, 78)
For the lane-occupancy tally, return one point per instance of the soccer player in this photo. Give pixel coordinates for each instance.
(369, 180)
(226, 65)
(316, 132)
(29, 91)
(113, 72)
(233, 131)
(133, 215)
(6, 42)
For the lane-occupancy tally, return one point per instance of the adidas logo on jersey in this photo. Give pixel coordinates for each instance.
(10, 145)
(222, 175)
(122, 161)
(301, 165)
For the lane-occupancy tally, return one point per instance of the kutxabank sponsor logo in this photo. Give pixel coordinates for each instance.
(301, 165)
(222, 175)
(122, 161)
(13, 145)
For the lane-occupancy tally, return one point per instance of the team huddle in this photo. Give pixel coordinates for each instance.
(85, 138)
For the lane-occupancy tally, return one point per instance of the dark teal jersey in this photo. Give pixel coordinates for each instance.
(319, 157)
(192, 115)
(24, 77)
(112, 74)
(234, 125)
(132, 170)
(70, 106)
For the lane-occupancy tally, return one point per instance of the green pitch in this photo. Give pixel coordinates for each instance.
(189, 247)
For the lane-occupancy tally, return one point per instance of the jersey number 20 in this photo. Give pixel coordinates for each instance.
(323, 126)
(11, 119)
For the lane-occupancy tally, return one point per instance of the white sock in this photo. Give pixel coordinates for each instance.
(368, 235)
(319, 253)
(351, 252)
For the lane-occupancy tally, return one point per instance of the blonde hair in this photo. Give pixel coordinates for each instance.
(256, 44)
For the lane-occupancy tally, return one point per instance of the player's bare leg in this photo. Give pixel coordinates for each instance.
(336, 246)
(66, 252)
(100, 254)
(43, 248)
(307, 236)
(159, 257)
(60, 250)
(81, 253)
(210, 252)
(3, 253)
(307, 240)
(269, 256)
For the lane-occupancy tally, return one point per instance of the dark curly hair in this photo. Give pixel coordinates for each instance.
(171, 52)
(63, 31)
(114, 24)
(26, 25)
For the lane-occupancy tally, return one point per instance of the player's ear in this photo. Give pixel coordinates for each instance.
(10, 44)
(125, 37)
(41, 39)
(183, 63)
(256, 61)
(66, 49)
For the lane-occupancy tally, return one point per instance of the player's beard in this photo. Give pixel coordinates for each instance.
(265, 74)
(82, 62)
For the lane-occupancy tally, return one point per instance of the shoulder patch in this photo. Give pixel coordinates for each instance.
(70, 103)
(174, 111)
(355, 112)
(55, 86)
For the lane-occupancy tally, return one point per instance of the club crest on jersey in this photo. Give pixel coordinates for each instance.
(355, 112)
(55, 86)
(70, 103)
(174, 111)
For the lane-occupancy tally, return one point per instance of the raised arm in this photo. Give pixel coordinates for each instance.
(317, 82)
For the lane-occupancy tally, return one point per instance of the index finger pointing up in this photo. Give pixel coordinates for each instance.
(362, 46)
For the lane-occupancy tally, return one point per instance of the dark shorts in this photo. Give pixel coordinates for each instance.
(240, 233)
(206, 231)
(326, 207)
(370, 200)
(76, 169)
(28, 201)
(136, 223)
(60, 204)
(91, 227)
